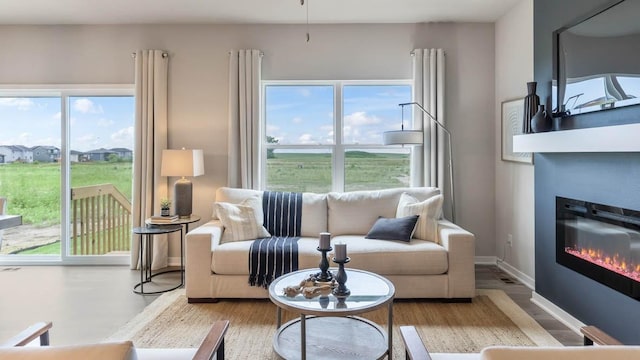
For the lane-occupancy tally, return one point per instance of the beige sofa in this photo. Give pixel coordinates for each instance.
(443, 268)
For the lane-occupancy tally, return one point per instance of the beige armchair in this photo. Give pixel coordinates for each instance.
(212, 347)
(415, 349)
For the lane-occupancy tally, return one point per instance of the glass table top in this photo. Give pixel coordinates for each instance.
(368, 291)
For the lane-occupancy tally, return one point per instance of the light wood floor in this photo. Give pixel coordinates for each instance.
(87, 304)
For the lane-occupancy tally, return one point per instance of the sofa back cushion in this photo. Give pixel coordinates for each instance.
(314, 208)
(104, 351)
(355, 212)
(561, 353)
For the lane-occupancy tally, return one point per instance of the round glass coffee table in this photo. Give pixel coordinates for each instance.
(327, 327)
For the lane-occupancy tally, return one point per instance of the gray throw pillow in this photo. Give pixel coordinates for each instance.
(394, 228)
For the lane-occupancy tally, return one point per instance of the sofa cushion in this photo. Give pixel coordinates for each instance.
(354, 213)
(314, 214)
(314, 207)
(103, 351)
(393, 229)
(429, 210)
(242, 221)
(384, 257)
(561, 353)
(233, 196)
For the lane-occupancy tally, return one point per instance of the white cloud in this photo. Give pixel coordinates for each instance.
(86, 106)
(272, 128)
(123, 137)
(57, 116)
(307, 139)
(20, 103)
(296, 120)
(105, 122)
(360, 118)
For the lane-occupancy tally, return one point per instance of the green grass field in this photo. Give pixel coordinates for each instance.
(33, 190)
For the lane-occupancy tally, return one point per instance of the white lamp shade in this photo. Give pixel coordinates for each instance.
(402, 137)
(182, 163)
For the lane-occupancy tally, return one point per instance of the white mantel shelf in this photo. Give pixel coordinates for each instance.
(619, 138)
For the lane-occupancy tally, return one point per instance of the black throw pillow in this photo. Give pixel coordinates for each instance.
(394, 228)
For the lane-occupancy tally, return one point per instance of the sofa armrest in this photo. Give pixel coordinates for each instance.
(414, 348)
(460, 245)
(37, 330)
(213, 343)
(199, 243)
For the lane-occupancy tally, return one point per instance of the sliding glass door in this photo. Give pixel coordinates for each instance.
(66, 168)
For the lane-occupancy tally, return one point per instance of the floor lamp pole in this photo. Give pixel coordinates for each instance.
(453, 198)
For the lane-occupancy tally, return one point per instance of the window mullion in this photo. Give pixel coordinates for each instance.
(338, 153)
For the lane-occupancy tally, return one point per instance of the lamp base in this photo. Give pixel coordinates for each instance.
(183, 195)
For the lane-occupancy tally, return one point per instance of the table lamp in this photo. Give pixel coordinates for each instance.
(182, 163)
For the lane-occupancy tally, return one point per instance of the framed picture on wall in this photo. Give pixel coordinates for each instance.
(512, 114)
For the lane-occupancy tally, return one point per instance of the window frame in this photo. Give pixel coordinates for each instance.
(338, 149)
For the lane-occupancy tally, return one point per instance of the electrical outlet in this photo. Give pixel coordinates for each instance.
(510, 240)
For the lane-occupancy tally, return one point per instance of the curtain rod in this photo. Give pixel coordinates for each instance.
(164, 55)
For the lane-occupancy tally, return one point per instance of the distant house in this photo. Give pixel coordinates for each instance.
(99, 154)
(78, 156)
(46, 154)
(123, 153)
(13, 153)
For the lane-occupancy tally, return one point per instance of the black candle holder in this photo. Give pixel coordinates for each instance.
(341, 277)
(324, 275)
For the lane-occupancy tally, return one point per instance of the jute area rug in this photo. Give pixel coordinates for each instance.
(491, 319)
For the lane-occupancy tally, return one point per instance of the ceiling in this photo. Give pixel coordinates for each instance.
(249, 11)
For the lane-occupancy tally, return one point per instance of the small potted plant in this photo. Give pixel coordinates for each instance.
(165, 207)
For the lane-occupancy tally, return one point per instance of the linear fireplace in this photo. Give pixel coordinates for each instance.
(601, 242)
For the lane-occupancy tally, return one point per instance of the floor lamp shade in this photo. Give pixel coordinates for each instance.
(182, 163)
(402, 137)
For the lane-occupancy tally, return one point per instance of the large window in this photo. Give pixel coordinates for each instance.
(327, 136)
(65, 167)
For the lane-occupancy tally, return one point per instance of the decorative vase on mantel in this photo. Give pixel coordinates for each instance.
(531, 102)
(541, 121)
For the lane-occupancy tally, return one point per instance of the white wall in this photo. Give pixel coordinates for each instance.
(514, 181)
(198, 83)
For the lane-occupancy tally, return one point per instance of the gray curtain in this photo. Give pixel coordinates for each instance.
(151, 69)
(244, 119)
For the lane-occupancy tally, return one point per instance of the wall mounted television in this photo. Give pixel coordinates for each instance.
(597, 60)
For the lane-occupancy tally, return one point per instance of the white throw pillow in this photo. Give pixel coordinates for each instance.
(429, 211)
(241, 221)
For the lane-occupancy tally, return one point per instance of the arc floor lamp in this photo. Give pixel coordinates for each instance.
(416, 137)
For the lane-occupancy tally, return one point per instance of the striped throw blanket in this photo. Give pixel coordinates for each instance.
(277, 255)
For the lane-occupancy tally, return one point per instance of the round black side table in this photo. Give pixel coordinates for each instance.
(146, 235)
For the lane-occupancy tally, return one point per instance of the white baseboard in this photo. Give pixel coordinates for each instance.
(485, 260)
(555, 311)
(527, 280)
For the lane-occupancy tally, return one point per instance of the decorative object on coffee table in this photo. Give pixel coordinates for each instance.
(341, 278)
(531, 102)
(324, 248)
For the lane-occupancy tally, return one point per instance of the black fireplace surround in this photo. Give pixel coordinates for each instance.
(601, 242)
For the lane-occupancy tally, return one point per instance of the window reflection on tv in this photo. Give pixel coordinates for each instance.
(597, 65)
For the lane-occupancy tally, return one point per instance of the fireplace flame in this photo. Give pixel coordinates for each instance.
(615, 262)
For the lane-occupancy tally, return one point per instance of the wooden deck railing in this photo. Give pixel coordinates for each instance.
(100, 220)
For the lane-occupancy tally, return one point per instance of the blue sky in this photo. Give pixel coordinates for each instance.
(96, 122)
(303, 115)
